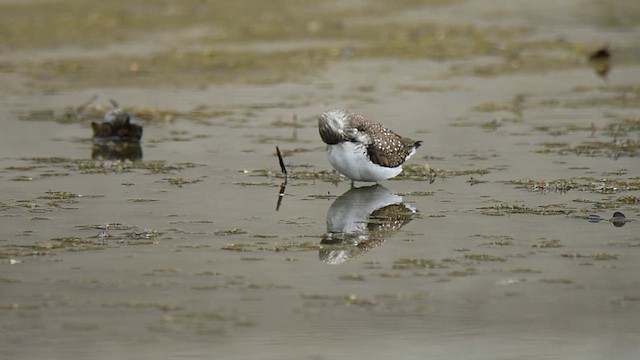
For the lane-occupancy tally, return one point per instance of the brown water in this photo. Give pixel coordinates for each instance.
(499, 260)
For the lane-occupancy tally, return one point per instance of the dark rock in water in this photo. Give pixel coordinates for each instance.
(618, 219)
(600, 60)
(117, 137)
(600, 54)
(117, 126)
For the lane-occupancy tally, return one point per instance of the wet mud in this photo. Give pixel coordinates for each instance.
(512, 233)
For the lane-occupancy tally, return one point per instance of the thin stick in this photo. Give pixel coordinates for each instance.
(282, 167)
(283, 186)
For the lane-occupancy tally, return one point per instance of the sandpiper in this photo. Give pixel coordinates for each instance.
(363, 150)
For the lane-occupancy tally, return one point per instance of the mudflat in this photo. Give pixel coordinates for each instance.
(513, 233)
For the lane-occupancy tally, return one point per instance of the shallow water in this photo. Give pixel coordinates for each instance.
(490, 255)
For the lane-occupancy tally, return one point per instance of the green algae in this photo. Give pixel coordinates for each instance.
(416, 264)
(179, 182)
(87, 113)
(484, 258)
(58, 195)
(221, 42)
(503, 208)
(586, 184)
(70, 243)
(227, 232)
(88, 166)
(546, 244)
(462, 273)
(352, 277)
(524, 271)
(419, 172)
(280, 247)
(557, 281)
(597, 256)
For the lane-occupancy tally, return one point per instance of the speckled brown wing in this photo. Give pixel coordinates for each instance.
(385, 147)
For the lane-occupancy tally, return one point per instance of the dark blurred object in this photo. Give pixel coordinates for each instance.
(618, 219)
(117, 126)
(600, 54)
(116, 150)
(117, 137)
(594, 218)
(600, 60)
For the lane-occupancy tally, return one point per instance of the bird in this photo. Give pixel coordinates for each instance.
(361, 149)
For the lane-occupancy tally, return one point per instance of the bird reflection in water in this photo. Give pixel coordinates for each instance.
(360, 220)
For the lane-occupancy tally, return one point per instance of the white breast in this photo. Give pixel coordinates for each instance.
(351, 160)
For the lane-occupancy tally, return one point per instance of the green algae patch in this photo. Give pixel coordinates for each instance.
(462, 273)
(496, 240)
(141, 200)
(604, 185)
(557, 281)
(180, 182)
(628, 199)
(524, 271)
(281, 247)
(351, 277)
(597, 256)
(222, 42)
(417, 264)
(70, 243)
(293, 172)
(95, 112)
(88, 166)
(227, 232)
(502, 208)
(184, 68)
(548, 244)
(419, 172)
(593, 148)
(484, 258)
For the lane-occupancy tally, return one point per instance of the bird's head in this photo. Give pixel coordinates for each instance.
(331, 126)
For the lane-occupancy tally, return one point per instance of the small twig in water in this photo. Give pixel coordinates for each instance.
(282, 167)
(283, 186)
